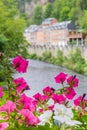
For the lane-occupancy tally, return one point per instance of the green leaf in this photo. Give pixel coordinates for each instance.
(84, 118)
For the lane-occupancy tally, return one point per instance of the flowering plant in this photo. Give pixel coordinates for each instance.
(50, 110)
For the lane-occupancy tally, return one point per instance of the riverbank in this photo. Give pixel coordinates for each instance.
(41, 74)
(74, 61)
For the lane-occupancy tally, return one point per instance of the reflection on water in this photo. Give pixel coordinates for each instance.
(40, 75)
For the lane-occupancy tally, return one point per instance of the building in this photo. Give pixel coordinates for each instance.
(49, 21)
(53, 32)
(31, 34)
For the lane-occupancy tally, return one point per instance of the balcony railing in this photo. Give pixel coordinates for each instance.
(74, 36)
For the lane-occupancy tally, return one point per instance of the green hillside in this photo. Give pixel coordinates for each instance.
(62, 10)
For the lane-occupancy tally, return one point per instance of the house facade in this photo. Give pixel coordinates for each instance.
(52, 32)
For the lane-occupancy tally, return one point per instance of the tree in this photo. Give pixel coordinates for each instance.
(66, 9)
(3, 42)
(12, 27)
(73, 14)
(37, 15)
(82, 4)
(83, 20)
(48, 10)
(64, 14)
(57, 9)
(62, 9)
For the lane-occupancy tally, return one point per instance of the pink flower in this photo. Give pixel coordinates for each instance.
(59, 98)
(41, 110)
(48, 91)
(29, 117)
(24, 98)
(1, 92)
(37, 96)
(8, 107)
(30, 106)
(80, 101)
(3, 125)
(20, 64)
(72, 81)
(41, 98)
(28, 103)
(44, 98)
(51, 107)
(21, 85)
(60, 78)
(69, 93)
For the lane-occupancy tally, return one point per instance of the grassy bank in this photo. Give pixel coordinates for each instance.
(73, 62)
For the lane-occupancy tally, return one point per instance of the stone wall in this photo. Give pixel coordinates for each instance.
(39, 49)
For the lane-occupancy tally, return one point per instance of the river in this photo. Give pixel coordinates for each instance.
(40, 75)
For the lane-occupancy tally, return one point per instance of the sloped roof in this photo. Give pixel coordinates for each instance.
(57, 26)
(31, 28)
(47, 20)
(62, 25)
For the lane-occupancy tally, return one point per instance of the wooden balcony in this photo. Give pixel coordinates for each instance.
(74, 36)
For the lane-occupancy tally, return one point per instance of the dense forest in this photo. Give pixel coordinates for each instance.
(61, 9)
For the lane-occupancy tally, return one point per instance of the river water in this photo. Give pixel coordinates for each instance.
(40, 75)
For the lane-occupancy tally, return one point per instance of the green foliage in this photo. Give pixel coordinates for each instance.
(74, 61)
(73, 15)
(46, 127)
(76, 56)
(62, 10)
(82, 21)
(32, 56)
(5, 68)
(59, 58)
(21, 5)
(46, 56)
(48, 10)
(3, 41)
(37, 15)
(64, 13)
(65, 9)
(82, 119)
(57, 8)
(82, 4)
(11, 28)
